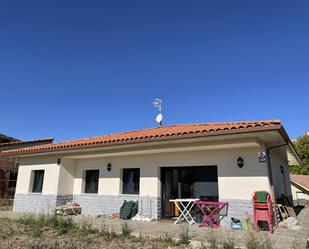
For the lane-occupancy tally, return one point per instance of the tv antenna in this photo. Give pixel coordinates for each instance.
(157, 103)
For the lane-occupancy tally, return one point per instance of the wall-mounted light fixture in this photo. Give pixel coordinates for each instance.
(240, 162)
(109, 167)
(58, 161)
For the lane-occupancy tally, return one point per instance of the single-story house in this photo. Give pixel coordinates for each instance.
(300, 189)
(225, 161)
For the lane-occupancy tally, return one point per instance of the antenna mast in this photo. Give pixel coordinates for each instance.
(157, 103)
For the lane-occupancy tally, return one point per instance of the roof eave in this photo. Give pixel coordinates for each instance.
(77, 149)
(299, 186)
(290, 145)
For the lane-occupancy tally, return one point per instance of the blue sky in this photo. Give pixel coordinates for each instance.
(71, 69)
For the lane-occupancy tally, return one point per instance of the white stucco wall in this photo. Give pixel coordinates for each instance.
(51, 174)
(277, 160)
(66, 176)
(233, 182)
(110, 183)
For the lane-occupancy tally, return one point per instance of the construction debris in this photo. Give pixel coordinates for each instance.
(69, 209)
(290, 223)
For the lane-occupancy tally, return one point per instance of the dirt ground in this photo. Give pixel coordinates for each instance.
(99, 232)
(14, 234)
(5, 208)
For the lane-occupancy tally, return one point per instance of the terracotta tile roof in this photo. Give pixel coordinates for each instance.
(154, 134)
(302, 180)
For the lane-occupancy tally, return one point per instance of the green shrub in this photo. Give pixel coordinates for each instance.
(37, 223)
(34, 224)
(258, 241)
(228, 242)
(184, 235)
(3, 234)
(215, 240)
(86, 228)
(212, 241)
(126, 230)
(166, 238)
(63, 225)
(112, 234)
(228, 245)
(27, 220)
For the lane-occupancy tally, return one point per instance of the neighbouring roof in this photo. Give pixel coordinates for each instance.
(154, 134)
(301, 180)
(20, 144)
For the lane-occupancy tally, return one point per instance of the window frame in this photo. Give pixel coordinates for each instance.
(12, 179)
(124, 185)
(33, 189)
(87, 191)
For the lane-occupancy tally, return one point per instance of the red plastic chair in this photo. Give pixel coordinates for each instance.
(263, 212)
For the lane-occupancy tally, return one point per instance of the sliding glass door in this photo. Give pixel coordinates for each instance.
(199, 182)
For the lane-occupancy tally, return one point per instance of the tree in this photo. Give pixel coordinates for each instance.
(302, 148)
(6, 139)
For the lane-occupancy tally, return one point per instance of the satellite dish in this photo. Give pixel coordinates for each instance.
(159, 118)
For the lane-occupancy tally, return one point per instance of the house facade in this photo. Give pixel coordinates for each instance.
(214, 161)
(9, 166)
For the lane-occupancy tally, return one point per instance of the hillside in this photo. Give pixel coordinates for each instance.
(6, 139)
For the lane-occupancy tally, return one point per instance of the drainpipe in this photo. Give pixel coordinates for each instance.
(271, 180)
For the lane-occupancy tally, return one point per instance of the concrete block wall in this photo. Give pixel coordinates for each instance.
(63, 199)
(34, 203)
(110, 204)
(90, 204)
(238, 209)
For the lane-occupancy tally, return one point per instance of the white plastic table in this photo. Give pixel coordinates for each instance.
(184, 206)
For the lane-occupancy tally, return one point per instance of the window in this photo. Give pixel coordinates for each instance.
(130, 181)
(92, 181)
(38, 181)
(12, 180)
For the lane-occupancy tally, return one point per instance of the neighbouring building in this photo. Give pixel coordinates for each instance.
(225, 161)
(9, 166)
(300, 189)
